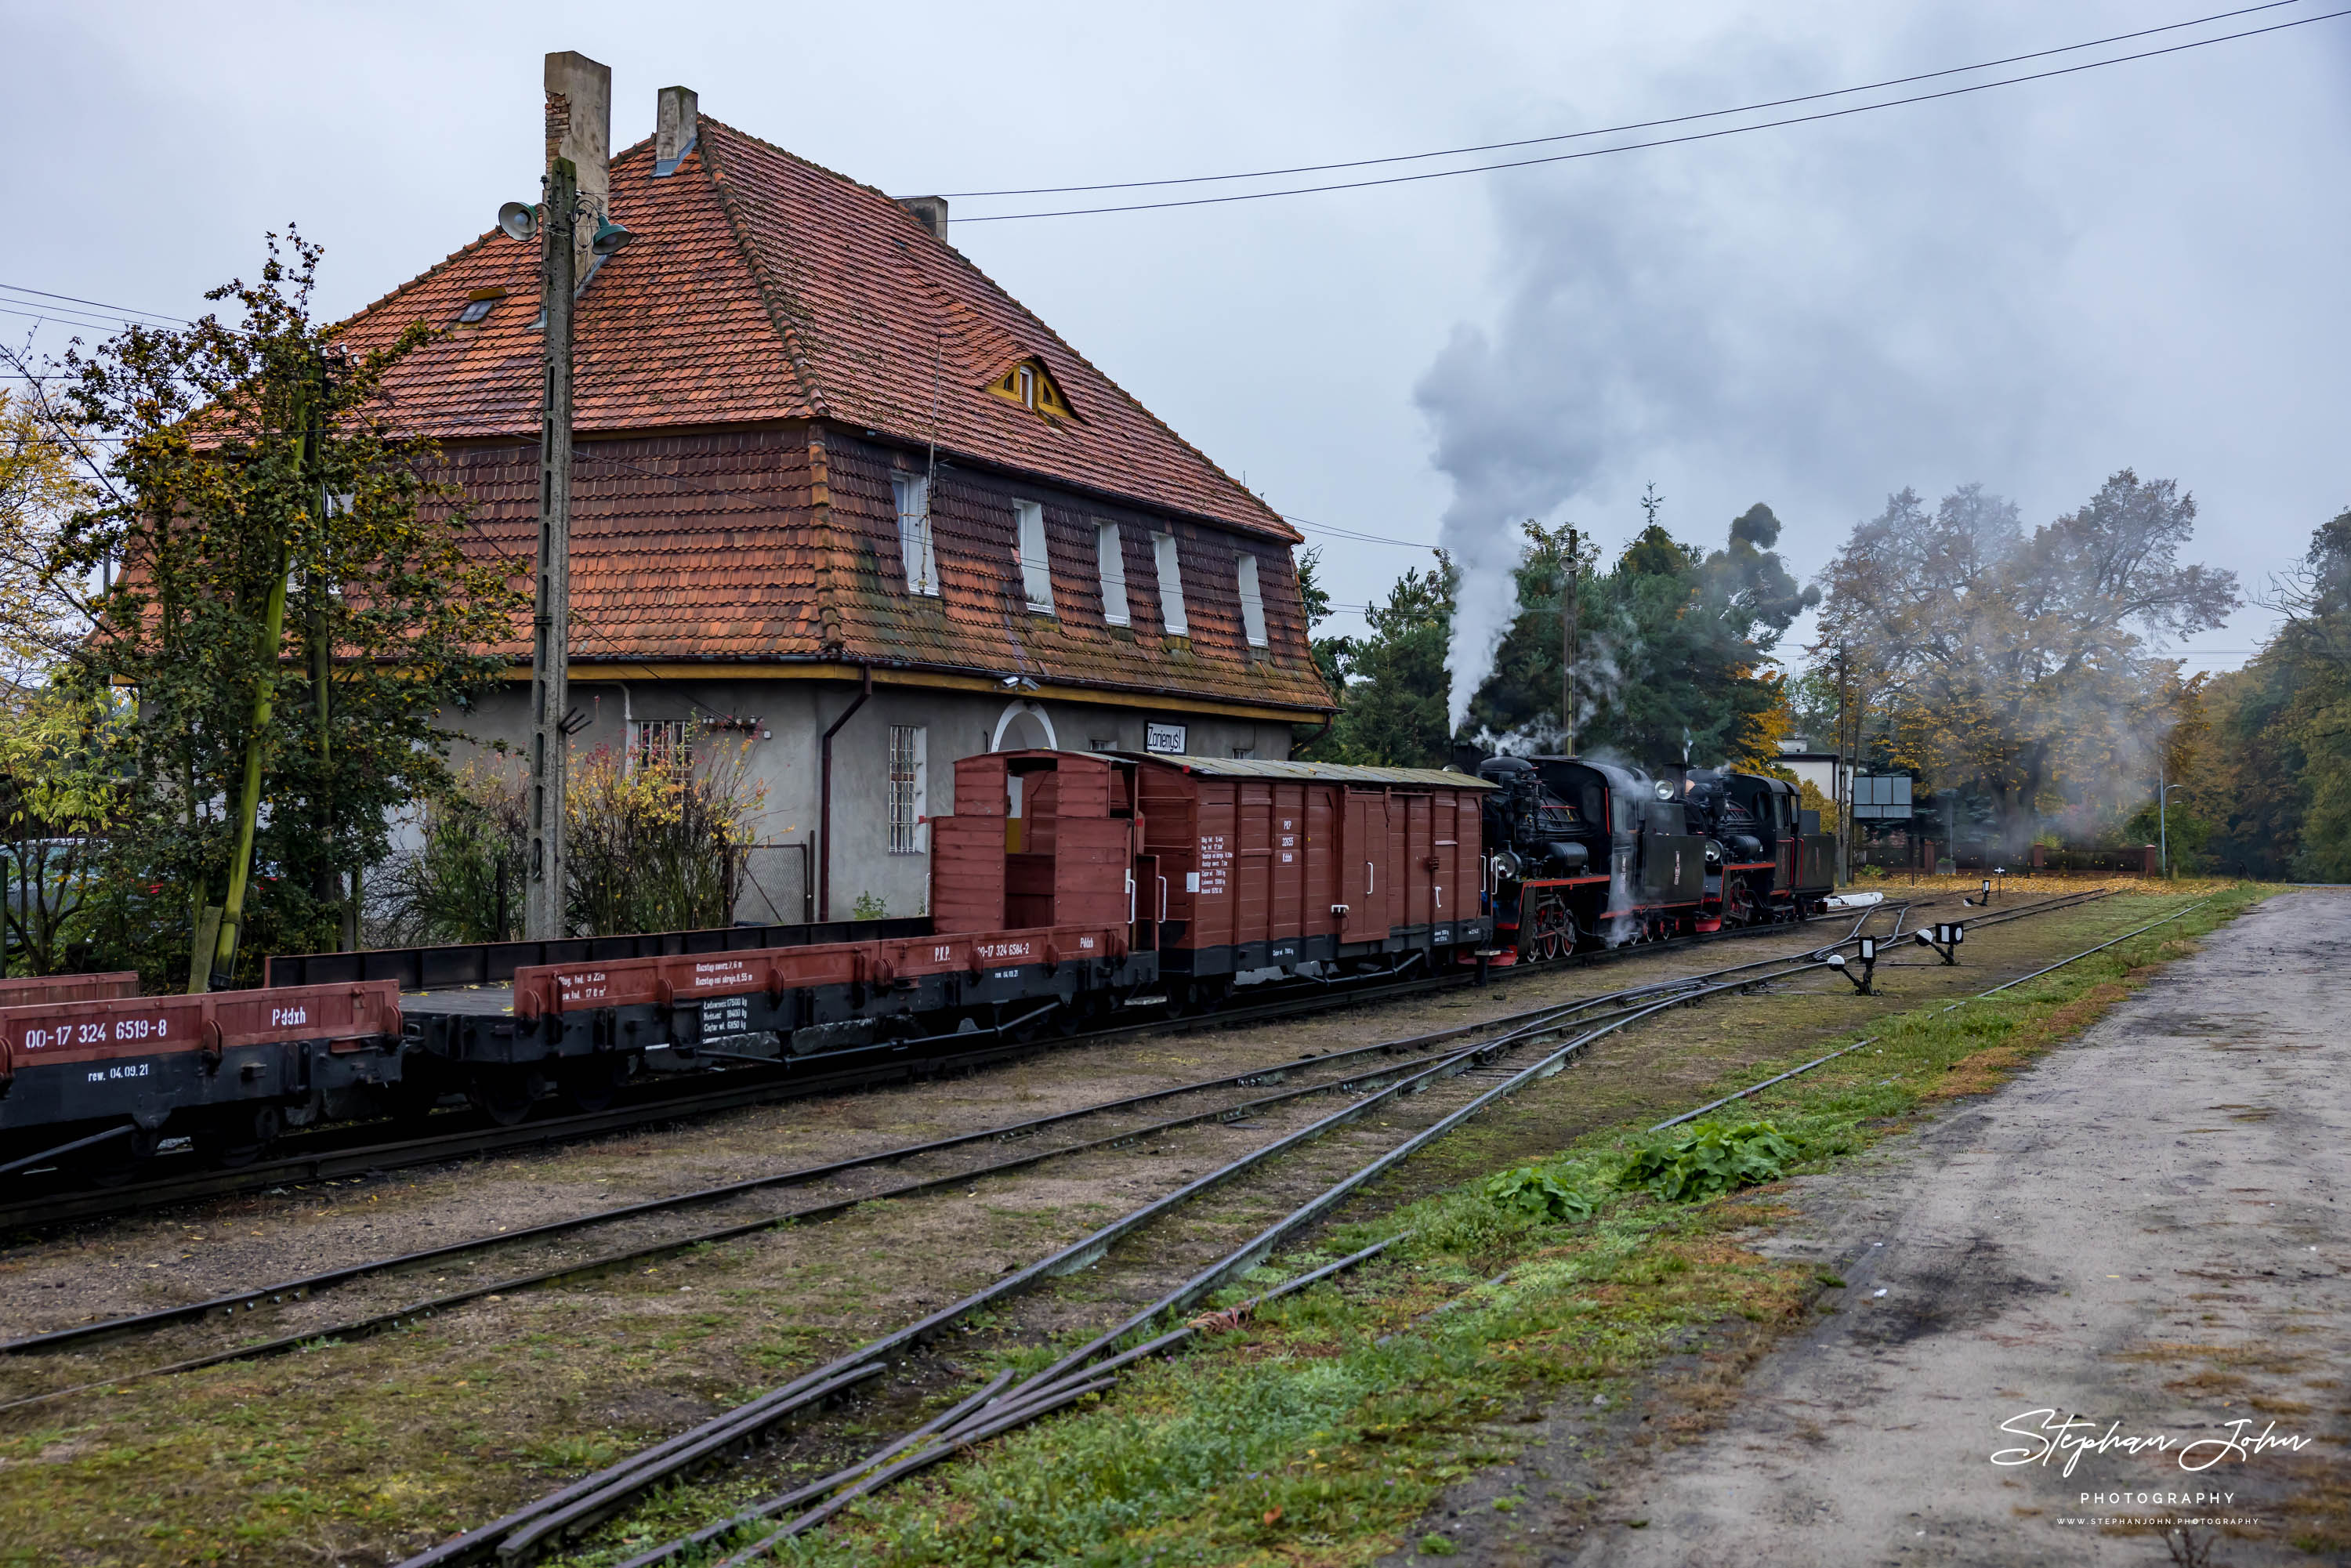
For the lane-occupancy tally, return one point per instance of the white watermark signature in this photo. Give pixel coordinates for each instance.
(2052, 1439)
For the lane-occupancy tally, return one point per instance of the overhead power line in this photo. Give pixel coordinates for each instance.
(1665, 140)
(1619, 129)
(1352, 534)
(120, 312)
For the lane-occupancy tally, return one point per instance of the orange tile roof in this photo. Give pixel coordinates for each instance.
(763, 288)
(730, 503)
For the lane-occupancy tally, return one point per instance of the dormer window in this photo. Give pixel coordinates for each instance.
(479, 304)
(1032, 386)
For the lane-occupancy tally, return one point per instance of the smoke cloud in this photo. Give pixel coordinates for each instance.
(2004, 286)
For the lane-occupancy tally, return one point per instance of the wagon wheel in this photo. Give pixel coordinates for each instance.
(240, 1138)
(593, 1083)
(121, 1160)
(505, 1094)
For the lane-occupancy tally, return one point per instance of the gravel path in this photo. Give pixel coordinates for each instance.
(2149, 1233)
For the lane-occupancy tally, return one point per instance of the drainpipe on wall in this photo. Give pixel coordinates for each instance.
(824, 798)
(1314, 739)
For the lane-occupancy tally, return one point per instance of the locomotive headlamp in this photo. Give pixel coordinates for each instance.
(1665, 788)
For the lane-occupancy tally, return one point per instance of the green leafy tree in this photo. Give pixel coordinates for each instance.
(1331, 653)
(284, 591)
(1393, 708)
(1674, 650)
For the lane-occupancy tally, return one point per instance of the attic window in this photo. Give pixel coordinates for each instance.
(1030, 385)
(480, 303)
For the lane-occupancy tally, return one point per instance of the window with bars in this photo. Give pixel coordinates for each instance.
(664, 743)
(915, 544)
(907, 790)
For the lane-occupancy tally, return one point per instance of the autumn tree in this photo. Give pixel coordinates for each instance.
(284, 592)
(2023, 666)
(2269, 790)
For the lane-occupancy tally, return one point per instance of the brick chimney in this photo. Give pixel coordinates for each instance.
(676, 121)
(579, 127)
(931, 212)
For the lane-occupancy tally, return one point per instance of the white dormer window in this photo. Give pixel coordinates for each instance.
(1171, 585)
(914, 546)
(1036, 565)
(1025, 386)
(1252, 602)
(1111, 554)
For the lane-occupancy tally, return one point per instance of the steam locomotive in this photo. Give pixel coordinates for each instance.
(1586, 853)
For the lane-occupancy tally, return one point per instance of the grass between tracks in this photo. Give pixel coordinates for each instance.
(1298, 1437)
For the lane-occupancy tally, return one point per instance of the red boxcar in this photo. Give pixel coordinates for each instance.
(1223, 866)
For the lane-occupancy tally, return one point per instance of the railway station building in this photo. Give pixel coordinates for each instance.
(837, 495)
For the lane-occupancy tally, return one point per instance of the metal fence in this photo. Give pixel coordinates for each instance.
(778, 883)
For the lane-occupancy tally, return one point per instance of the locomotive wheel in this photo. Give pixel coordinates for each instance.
(1738, 904)
(1552, 939)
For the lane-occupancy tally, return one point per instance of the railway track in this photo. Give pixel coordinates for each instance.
(1418, 1070)
(1005, 1404)
(1365, 1070)
(1448, 1092)
(361, 1151)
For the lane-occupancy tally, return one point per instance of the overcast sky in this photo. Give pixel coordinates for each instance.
(2031, 287)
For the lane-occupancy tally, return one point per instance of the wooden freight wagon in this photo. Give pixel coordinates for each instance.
(1261, 865)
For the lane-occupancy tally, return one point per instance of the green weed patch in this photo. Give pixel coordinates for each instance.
(1711, 1160)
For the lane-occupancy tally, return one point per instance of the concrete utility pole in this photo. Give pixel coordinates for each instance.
(550, 697)
(1570, 606)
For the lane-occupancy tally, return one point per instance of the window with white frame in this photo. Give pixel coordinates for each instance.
(908, 807)
(914, 546)
(1252, 602)
(1035, 564)
(1171, 585)
(664, 743)
(1111, 554)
